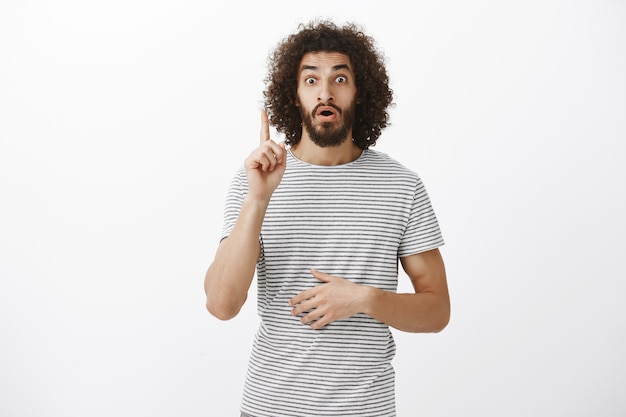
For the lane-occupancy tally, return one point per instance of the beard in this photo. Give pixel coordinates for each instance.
(328, 134)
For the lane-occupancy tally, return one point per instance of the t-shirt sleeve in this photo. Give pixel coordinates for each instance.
(422, 232)
(234, 199)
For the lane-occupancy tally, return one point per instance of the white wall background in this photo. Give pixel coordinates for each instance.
(121, 123)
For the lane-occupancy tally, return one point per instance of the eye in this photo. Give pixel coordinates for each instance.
(309, 80)
(341, 79)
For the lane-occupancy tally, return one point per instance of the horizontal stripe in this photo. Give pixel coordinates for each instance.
(353, 221)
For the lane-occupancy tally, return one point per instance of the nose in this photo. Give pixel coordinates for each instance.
(325, 94)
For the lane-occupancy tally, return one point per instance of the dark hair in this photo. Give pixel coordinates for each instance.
(372, 82)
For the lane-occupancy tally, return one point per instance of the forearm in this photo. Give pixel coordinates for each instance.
(423, 312)
(229, 277)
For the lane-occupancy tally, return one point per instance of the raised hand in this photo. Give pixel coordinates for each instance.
(266, 165)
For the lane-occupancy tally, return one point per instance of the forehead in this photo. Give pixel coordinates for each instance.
(325, 60)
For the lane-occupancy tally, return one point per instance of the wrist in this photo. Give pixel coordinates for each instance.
(257, 200)
(368, 299)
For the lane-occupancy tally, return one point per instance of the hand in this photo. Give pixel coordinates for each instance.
(266, 165)
(336, 299)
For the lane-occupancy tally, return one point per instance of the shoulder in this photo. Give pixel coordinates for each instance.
(239, 180)
(381, 161)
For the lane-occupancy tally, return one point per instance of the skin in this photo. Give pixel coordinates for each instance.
(325, 78)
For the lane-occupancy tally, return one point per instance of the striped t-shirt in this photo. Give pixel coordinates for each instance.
(353, 221)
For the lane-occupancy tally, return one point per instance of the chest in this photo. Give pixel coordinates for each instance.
(335, 212)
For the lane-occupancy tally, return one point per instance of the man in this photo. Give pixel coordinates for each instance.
(324, 219)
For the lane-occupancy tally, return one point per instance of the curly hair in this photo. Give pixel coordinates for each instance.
(374, 96)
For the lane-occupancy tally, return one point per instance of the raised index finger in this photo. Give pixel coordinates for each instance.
(265, 127)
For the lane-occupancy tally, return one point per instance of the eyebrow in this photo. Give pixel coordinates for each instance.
(335, 68)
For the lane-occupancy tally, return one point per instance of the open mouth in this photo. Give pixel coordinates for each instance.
(326, 113)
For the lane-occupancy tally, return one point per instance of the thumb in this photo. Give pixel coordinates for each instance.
(283, 156)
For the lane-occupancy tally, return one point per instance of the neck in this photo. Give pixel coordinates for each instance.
(309, 152)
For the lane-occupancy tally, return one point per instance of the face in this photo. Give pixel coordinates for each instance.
(326, 97)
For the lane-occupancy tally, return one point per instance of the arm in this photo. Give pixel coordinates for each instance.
(229, 276)
(426, 310)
